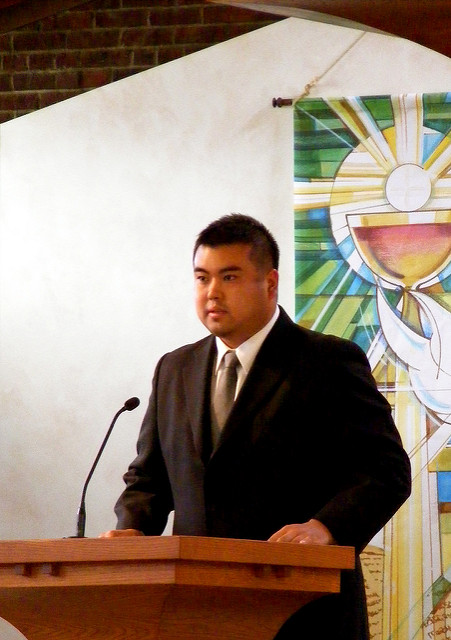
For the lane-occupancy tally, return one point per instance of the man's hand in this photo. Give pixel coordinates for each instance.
(311, 532)
(121, 533)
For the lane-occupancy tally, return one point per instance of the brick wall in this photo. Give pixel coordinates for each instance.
(101, 41)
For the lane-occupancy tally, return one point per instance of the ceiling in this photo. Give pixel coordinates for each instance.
(427, 22)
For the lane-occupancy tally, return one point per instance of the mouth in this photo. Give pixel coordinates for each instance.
(216, 313)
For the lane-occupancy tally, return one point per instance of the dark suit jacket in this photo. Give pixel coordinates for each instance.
(309, 436)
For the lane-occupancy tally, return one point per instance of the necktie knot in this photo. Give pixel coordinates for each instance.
(230, 360)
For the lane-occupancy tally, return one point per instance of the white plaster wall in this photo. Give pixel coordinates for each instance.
(101, 199)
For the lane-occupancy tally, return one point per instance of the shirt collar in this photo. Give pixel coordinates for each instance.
(248, 350)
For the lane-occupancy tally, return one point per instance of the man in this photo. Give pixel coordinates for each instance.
(308, 453)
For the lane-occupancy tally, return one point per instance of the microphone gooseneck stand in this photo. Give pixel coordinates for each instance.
(129, 405)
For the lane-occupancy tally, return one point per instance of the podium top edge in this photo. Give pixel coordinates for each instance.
(175, 548)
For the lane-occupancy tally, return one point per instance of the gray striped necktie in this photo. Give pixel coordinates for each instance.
(225, 390)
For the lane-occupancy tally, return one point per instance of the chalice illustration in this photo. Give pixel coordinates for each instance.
(390, 197)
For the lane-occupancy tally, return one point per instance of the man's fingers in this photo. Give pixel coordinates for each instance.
(121, 533)
(311, 532)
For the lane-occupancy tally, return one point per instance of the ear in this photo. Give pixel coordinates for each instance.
(272, 280)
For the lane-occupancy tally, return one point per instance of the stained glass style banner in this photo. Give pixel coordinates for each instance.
(372, 200)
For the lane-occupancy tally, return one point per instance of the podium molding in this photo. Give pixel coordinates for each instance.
(161, 588)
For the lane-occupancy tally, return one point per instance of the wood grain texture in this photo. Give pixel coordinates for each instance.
(163, 588)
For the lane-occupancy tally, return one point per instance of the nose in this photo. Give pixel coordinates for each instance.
(214, 290)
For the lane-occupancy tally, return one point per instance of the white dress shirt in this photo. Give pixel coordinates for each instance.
(246, 354)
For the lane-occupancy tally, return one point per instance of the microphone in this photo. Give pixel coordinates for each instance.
(129, 405)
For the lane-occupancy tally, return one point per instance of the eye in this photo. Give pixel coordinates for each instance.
(230, 276)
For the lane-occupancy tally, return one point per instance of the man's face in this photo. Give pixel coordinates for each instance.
(234, 298)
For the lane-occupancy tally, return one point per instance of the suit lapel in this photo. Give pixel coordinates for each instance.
(268, 373)
(197, 380)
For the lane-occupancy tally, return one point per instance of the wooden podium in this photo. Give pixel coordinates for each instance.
(161, 588)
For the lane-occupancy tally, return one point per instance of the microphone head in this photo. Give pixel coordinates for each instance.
(131, 404)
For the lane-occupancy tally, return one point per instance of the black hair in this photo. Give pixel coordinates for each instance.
(237, 228)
